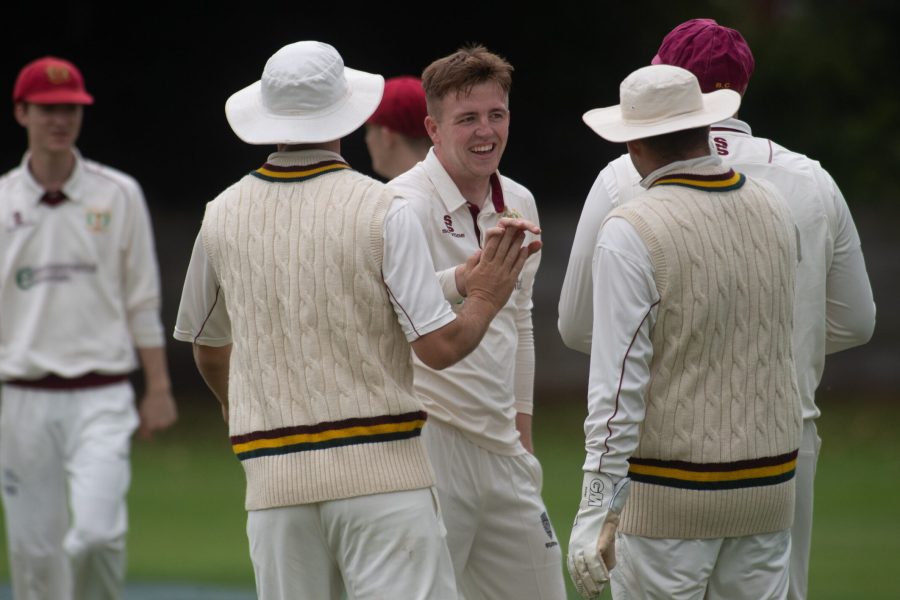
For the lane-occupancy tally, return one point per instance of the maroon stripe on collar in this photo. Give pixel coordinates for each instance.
(694, 177)
(497, 194)
(726, 129)
(291, 168)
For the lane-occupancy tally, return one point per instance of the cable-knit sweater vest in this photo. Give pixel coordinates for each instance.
(321, 403)
(719, 441)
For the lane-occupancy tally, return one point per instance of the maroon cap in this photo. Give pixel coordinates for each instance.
(402, 107)
(51, 80)
(718, 56)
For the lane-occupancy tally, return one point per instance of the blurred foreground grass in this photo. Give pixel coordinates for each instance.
(187, 517)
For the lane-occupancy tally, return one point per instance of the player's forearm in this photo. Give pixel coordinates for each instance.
(155, 368)
(523, 381)
(213, 364)
(850, 307)
(454, 341)
(575, 305)
(448, 279)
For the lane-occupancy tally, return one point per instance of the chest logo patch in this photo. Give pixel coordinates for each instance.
(449, 229)
(98, 220)
(17, 221)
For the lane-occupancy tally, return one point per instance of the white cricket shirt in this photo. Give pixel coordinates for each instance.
(834, 308)
(79, 282)
(481, 394)
(414, 290)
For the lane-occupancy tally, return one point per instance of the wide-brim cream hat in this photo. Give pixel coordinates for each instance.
(306, 95)
(660, 99)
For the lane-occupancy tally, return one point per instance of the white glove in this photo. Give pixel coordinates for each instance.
(592, 550)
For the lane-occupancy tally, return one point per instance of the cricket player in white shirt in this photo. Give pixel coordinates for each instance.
(833, 306)
(312, 366)
(479, 430)
(79, 291)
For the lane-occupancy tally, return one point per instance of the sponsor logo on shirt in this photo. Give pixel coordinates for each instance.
(28, 277)
(98, 220)
(448, 228)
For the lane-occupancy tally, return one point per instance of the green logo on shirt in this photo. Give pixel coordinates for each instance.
(25, 278)
(28, 277)
(98, 220)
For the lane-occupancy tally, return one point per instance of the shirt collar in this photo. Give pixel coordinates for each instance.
(302, 158)
(73, 187)
(708, 164)
(731, 124)
(450, 194)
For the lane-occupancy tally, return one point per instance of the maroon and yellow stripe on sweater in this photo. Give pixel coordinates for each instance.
(722, 182)
(303, 438)
(271, 172)
(714, 476)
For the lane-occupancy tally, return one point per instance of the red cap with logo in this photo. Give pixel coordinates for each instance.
(51, 80)
(718, 56)
(402, 107)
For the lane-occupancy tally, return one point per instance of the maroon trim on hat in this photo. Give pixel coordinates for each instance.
(55, 382)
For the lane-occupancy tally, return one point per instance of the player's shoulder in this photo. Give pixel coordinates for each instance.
(416, 187)
(621, 168)
(100, 174)
(11, 177)
(511, 186)
(414, 182)
(787, 169)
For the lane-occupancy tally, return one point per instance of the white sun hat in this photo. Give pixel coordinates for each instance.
(306, 95)
(660, 99)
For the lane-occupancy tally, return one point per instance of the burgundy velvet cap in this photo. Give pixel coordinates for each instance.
(718, 56)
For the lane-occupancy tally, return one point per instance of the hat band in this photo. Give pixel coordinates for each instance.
(302, 113)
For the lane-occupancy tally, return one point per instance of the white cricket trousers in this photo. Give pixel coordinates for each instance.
(383, 546)
(500, 537)
(65, 471)
(752, 567)
(801, 532)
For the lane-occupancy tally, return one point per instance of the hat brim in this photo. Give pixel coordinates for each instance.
(60, 97)
(608, 122)
(251, 122)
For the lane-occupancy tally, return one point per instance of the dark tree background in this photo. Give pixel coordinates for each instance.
(826, 84)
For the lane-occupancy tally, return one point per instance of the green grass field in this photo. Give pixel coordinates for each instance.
(187, 517)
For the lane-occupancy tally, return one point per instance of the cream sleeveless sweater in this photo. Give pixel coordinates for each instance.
(321, 403)
(719, 441)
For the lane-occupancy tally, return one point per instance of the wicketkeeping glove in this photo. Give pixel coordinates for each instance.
(592, 549)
